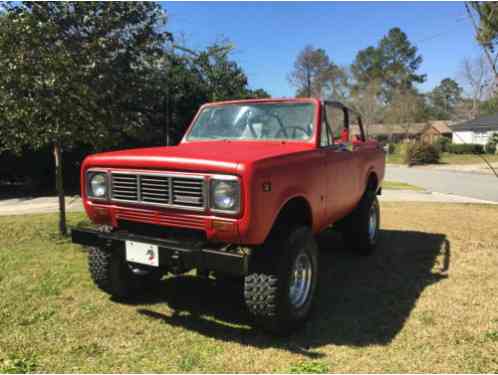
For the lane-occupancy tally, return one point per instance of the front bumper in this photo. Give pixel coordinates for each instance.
(172, 254)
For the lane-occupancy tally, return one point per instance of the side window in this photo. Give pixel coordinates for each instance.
(324, 133)
(336, 119)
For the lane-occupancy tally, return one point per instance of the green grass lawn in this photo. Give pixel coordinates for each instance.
(395, 158)
(447, 158)
(425, 302)
(396, 185)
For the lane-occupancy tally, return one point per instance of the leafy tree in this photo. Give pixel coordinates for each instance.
(489, 106)
(69, 72)
(366, 102)
(221, 77)
(405, 109)
(484, 17)
(256, 94)
(368, 67)
(200, 76)
(477, 77)
(393, 62)
(445, 97)
(180, 81)
(171, 92)
(314, 74)
(488, 18)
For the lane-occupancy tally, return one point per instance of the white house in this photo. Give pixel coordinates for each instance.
(477, 131)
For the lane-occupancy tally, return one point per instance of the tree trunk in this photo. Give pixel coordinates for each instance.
(167, 111)
(59, 185)
(308, 84)
(170, 119)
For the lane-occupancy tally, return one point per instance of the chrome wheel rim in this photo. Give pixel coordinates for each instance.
(300, 281)
(372, 223)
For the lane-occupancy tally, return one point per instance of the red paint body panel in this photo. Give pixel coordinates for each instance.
(331, 181)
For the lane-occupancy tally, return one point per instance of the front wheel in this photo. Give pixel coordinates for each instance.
(111, 273)
(280, 293)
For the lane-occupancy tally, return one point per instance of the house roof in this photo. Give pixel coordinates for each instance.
(441, 126)
(373, 130)
(412, 129)
(480, 123)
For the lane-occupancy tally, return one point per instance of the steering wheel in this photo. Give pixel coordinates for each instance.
(294, 130)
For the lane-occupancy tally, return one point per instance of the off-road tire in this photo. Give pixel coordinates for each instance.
(99, 264)
(260, 294)
(111, 273)
(266, 288)
(355, 227)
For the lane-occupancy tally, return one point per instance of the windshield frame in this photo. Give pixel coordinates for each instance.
(311, 140)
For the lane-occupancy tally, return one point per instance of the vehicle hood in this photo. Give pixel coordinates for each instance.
(207, 156)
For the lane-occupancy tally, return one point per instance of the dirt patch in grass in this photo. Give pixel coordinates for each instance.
(425, 302)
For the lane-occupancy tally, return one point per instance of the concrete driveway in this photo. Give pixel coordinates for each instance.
(29, 205)
(474, 185)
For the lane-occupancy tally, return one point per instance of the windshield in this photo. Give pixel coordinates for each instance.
(255, 121)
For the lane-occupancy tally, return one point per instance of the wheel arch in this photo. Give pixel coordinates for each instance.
(294, 211)
(372, 183)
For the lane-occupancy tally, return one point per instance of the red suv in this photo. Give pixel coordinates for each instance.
(243, 194)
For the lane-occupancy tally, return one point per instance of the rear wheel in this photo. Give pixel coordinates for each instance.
(280, 291)
(361, 228)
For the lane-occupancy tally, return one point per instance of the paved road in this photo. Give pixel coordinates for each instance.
(479, 186)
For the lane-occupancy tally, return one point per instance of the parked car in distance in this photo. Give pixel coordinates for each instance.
(243, 194)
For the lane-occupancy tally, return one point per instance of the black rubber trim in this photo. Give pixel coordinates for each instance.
(171, 252)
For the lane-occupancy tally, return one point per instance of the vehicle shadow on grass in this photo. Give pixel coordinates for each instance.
(361, 300)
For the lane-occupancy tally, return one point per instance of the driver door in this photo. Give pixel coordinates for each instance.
(340, 164)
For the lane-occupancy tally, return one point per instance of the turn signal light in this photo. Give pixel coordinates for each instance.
(223, 226)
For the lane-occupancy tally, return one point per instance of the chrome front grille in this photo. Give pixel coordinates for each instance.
(159, 189)
(188, 192)
(124, 186)
(155, 189)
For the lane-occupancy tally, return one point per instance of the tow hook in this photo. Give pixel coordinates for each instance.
(176, 265)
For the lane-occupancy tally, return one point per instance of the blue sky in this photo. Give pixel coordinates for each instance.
(268, 36)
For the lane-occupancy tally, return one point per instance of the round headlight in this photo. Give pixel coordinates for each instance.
(226, 195)
(98, 185)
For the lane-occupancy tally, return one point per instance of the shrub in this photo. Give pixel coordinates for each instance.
(381, 138)
(491, 145)
(490, 148)
(401, 148)
(466, 148)
(422, 153)
(443, 143)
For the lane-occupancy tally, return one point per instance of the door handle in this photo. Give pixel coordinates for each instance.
(343, 147)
